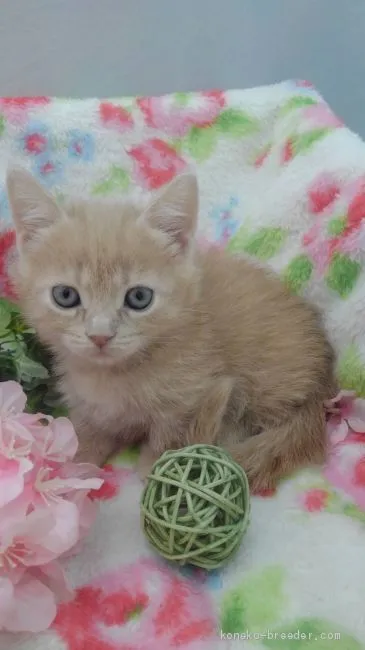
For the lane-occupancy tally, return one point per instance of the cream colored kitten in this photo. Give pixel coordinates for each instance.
(158, 342)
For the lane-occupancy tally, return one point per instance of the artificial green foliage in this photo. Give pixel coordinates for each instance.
(23, 359)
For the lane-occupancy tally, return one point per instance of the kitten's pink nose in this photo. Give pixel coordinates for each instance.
(100, 341)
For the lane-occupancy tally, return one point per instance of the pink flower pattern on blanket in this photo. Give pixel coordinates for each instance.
(155, 163)
(176, 114)
(141, 605)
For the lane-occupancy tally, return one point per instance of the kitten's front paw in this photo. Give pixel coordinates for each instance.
(86, 456)
(94, 451)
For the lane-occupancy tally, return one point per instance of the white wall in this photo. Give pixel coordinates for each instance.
(117, 47)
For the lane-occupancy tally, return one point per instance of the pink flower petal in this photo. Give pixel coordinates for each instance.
(53, 576)
(356, 419)
(12, 398)
(12, 478)
(64, 533)
(57, 441)
(6, 598)
(34, 607)
(339, 432)
(64, 445)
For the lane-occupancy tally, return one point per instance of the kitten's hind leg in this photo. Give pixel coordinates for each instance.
(276, 452)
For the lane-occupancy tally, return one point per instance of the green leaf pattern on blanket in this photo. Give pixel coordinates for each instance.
(182, 98)
(310, 634)
(236, 123)
(264, 244)
(200, 142)
(336, 226)
(245, 608)
(350, 370)
(296, 102)
(298, 272)
(118, 180)
(301, 142)
(342, 274)
(257, 604)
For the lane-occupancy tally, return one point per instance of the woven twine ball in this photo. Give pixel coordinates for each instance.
(195, 506)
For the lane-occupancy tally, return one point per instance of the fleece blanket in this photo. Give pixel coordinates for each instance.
(282, 179)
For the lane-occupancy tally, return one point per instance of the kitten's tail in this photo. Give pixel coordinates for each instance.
(275, 453)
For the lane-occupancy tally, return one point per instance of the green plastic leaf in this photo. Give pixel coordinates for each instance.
(304, 141)
(30, 368)
(351, 370)
(342, 274)
(310, 634)
(200, 142)
(297, 102)
(244, 608)
(236, 123)
(265, 243)
(298, 272)
(5, 314)
(118, 180)
(2, 125)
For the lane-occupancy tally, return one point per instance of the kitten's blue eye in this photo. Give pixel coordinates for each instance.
(138, 298)
(65, 297)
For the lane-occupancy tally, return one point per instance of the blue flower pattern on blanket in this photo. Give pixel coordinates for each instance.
(81, 145)
(225, 222)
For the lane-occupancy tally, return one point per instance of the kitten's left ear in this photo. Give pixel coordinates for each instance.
(175, 212)
(33, 210)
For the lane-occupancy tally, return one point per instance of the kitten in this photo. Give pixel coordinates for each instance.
(156, 341)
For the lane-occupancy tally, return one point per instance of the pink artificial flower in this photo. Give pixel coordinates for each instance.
(23, 540)
(15, 442)
(12, 477)
(44, 510)
(346, 415)
(155, 163)
(12, 399)
(56, 441)
(30, 603)
(345, 468)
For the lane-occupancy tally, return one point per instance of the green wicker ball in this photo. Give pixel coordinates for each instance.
(195, 506)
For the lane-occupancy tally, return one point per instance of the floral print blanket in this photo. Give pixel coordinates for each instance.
(281, 179)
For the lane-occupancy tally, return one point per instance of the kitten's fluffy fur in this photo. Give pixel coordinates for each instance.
(224, 354)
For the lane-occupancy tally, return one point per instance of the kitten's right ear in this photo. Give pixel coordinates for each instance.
(33, 210)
